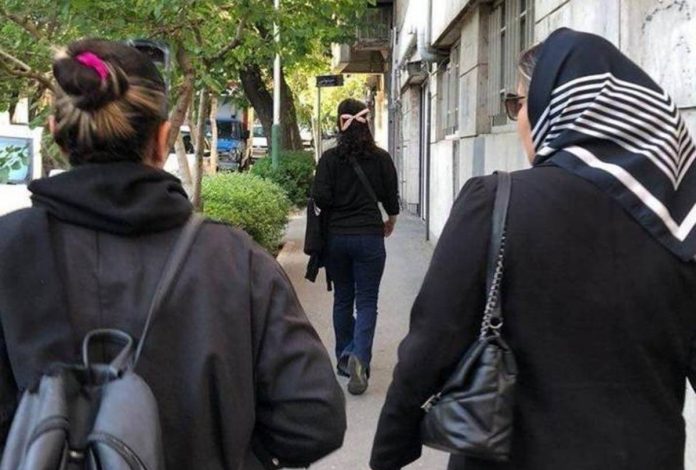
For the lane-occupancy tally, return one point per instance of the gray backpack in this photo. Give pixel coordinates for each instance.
(96, 416)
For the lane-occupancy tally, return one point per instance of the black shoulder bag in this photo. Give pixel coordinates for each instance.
(473, 414)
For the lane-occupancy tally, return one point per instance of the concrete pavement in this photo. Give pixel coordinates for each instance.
(408, 256)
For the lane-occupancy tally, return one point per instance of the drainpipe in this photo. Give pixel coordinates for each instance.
(411, 46)
(425, 49)
(429, 55)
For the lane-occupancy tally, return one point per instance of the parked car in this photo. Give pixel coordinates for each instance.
(172, 163)
(20, 162)
(259, 142)
(307, 137)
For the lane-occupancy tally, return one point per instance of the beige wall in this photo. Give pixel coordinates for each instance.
(443, 13)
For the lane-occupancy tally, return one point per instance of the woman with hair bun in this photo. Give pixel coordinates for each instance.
(241, 378)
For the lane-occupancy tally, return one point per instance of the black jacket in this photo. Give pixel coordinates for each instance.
(339, 191)
(232, 359)
(601, 317)
(315, 243)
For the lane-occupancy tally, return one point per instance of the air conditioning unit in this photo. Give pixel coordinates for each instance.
(417, 72)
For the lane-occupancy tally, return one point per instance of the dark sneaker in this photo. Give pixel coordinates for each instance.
(358, 376)
(342, 367)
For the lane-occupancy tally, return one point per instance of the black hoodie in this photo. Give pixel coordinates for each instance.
(231, 358)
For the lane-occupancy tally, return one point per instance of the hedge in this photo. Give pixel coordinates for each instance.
(295, 174)
(258, 206)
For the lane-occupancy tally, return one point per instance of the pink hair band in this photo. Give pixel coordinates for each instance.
(91, 60)
(347, 119)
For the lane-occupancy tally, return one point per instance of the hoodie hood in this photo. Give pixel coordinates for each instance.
(123, 198)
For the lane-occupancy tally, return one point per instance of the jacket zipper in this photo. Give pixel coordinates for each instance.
(121, 449)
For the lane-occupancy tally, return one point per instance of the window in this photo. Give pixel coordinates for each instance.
(448, 94)
(511, 31)
(15, 160)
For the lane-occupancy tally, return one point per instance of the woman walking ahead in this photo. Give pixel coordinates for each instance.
(350, 181)
(599, 285)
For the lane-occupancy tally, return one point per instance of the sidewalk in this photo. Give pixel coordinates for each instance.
(408, 256)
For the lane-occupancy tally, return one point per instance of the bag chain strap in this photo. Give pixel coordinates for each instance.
(491, 323)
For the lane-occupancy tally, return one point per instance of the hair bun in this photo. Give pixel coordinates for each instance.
(86, 87)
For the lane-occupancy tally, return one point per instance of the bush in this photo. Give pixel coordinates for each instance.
(258, 206)
(295, 174)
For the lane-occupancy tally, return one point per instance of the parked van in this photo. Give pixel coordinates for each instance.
(20, 162)
(231, 144)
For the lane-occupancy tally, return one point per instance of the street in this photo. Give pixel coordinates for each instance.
(408, 255)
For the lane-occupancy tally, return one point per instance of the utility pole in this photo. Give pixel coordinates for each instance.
(318, 138)
(324, 81)
(275, 130)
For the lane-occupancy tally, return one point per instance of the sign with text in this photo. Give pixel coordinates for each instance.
(324, 81)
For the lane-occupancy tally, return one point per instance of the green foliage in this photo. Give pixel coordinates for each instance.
(303, 81)
(11, 158)
(218, 37)
(295, 174)
(258, 206)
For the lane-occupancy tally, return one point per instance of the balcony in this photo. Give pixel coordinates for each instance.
(372, 44)
(374, 34)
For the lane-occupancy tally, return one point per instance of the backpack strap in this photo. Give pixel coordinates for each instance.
(363, 179)
(169, 274)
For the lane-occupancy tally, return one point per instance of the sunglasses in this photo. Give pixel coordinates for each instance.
(513, 105)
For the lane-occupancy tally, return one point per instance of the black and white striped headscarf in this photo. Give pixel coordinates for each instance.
(598, 115)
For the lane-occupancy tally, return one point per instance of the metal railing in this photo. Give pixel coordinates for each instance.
(375, 27)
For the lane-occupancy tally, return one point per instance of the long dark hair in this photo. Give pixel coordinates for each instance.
(357, 140)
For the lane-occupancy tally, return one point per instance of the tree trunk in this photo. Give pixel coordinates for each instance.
(200, 149)
(14, 101)
(258, 95)
(214, 138)
(261, 99)
(291, 139)
(178, 113)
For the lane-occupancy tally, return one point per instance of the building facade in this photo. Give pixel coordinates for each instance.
(453, 60)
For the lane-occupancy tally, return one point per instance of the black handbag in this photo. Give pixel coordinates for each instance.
(473, 413)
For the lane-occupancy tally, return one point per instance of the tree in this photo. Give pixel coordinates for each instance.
(213, 42)
(305, 26)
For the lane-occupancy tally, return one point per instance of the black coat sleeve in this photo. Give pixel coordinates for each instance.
(323, 188)
(390, 197)
(300, 411)
(445, 320)
(8, 392)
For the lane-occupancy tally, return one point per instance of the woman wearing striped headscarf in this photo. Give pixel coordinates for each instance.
(599, 291)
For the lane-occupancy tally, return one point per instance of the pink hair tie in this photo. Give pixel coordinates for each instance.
(347, 119)
(91, 60)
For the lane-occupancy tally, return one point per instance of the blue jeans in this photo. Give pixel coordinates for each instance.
(356, 264)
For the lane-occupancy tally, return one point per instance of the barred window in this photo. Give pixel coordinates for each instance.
(448, 94)
(511, 31)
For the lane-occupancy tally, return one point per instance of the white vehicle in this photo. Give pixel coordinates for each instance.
(172, 163)
(259, 142)
(307, 137)
(20, 162)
